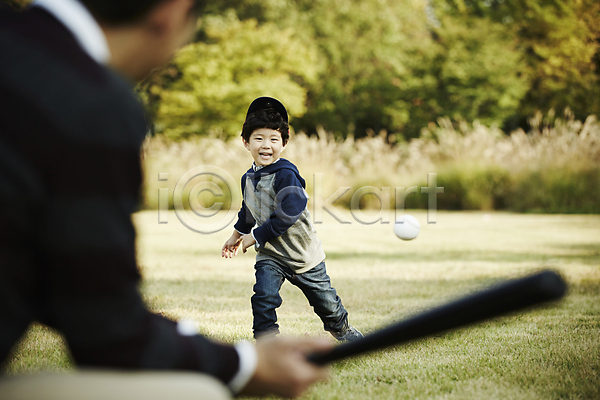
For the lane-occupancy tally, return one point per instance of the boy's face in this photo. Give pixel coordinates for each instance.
(265, 146)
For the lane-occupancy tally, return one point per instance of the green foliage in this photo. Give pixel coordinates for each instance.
(391, 69)
(364, 46)
(217, 79)
(560, 41)
(469, 72)
(386, 70)
(543, 191)
(474, 187)
(558, 191)
(352, 67)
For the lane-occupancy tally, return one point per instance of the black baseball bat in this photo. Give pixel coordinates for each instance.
(503, 298)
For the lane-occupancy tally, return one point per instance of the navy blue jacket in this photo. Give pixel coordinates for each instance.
(70, 176)
(275, 201)
(291, 205)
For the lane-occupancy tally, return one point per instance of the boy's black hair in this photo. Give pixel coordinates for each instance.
(266, 119)
(117, 12)
(269, 113)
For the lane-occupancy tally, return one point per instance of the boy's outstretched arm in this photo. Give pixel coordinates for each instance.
(244, 225)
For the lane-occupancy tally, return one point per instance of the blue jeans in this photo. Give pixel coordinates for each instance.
(315, 285)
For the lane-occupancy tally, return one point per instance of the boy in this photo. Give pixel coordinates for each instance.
(286, 242)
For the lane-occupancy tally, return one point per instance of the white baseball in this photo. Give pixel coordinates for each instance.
(407, 227)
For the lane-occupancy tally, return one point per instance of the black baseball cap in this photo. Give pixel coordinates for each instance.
(266, 103)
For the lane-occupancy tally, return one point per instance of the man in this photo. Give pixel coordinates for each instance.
(70, 137)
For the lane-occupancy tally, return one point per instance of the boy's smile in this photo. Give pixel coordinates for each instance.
(265, 146)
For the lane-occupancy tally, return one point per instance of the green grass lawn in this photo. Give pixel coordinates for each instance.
(548, 353)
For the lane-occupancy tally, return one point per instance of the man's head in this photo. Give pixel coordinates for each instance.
(144, 34)
(266, 131)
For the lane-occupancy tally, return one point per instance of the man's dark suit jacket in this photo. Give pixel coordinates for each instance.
(70, 138)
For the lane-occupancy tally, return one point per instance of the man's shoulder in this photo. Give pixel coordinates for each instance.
(84, 100)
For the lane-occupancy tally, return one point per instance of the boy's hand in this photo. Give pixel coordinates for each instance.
(247, 241)
(231, 246)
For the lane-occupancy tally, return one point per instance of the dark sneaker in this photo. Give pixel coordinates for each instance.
(266, 334)
(349, 334)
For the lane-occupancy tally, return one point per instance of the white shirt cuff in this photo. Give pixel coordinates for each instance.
(248, 362)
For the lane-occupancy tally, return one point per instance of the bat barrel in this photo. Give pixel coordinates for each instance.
(506, 297)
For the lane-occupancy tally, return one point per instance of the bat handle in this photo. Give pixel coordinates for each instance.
(316, 358)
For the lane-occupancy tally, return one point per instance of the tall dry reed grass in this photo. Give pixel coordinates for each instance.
(554, 167)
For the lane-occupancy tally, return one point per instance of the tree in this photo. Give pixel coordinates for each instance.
(215, 80)
(560, 41)
(364, 48)
(390, 67)
(475, 72)
(354, 66)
